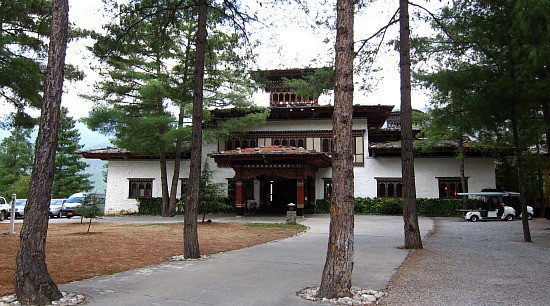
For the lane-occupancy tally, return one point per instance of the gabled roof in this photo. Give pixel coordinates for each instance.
(441, 148)
(375, 114)
(120, 153)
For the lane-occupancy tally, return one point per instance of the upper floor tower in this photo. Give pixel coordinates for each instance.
(283, 94)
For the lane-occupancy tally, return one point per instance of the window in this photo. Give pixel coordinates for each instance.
(229, 145)
(450, 186)
(358, 156)
(289, 142)
(389, 187)
(240, 143)
(140, 188)
(327, 188)
(326, 145)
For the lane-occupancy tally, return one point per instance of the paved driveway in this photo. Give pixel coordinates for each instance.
(268, 274)
(482, 263)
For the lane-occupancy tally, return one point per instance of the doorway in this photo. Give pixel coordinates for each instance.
(278, 194)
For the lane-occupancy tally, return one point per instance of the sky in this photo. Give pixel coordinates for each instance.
(289, 43)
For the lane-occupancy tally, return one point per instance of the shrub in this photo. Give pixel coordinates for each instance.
(150, 206)
(322, 206)
(426, 207)
(439, 207)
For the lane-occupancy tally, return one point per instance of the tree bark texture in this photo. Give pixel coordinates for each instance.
(162, 150)
(164, 183)
(462, 172)
(337, 273)
(179, 141)
(190, 235)
(413, 239)
(521, 177)
(175, 179)
(546, 119)
(33, 284)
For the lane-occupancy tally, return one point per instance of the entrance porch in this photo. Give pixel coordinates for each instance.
(273, 177)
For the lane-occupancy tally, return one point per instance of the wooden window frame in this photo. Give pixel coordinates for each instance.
(448, 187)
(392, 187)
(140, 188)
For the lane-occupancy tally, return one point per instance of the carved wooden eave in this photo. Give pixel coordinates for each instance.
(374, 114)
(272, 157)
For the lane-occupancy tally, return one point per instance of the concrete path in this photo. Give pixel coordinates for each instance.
(268, 274)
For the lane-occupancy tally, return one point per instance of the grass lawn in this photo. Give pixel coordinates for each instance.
(72, 254)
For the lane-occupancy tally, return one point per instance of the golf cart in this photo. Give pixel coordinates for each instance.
(494, 207)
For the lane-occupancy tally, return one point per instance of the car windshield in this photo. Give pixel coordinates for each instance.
(75, 200)
(56, 202)
(20, 202)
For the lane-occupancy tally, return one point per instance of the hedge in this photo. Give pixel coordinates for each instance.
(153, 206)
(363, 206)
(394, 206)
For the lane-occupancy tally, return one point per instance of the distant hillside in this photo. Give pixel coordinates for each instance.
(93, 140)
(96, 169)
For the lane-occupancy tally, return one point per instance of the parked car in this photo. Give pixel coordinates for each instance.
(55, 207)
(3, 209)
(70, 207)
(19, 208)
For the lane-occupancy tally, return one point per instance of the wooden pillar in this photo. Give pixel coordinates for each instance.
(239, 197)
(300, 197)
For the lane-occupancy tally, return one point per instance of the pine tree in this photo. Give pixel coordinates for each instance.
(213, 196)
(33, 283)
(336, 278)
(16, 158)
(68, 172)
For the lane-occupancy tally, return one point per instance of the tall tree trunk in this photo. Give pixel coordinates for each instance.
(540, 183)
(176, 173)
(521, 176)
(164, 182)
(162, 149)
(410, 214)
(33, 284)
(546, 119)
(190, 235)
(336, 279)
(179, 141)
(462, 171)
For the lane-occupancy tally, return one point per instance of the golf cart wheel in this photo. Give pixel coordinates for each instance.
(509, 217)
(474, 218)
(529, 216)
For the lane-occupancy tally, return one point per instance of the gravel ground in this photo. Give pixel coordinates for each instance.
(482, 263)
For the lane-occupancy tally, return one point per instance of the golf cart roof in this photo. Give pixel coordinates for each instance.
(489, 193)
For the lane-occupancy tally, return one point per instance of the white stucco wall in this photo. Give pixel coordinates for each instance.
(481, 171)
(120, 171)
